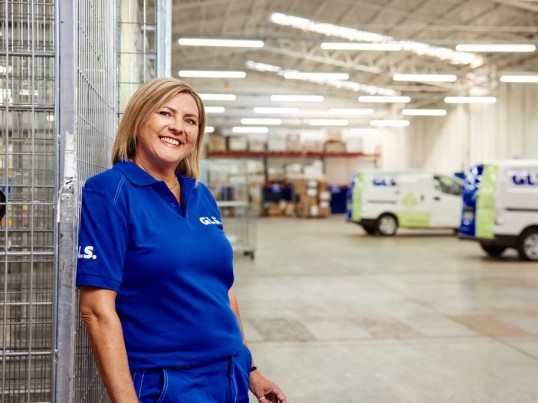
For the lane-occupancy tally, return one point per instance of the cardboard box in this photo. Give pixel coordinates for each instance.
(237, 143)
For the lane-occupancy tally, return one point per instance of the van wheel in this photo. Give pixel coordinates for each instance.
(493, 250)
(387, 224)
(527, 245)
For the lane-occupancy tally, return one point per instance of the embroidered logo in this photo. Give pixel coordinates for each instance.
(209, 220)
(88, 253)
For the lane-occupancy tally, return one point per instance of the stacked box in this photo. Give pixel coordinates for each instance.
(216, 143)
(237, 143)
(256, 145)
(334, 146)
(276, 142)
(313, 146)
(312, 197)
(293, 142)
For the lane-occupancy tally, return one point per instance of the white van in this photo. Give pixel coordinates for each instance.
(383, 201)
(506, 212)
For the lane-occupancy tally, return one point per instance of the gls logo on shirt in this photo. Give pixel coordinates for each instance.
(88, 253)
(208, 221)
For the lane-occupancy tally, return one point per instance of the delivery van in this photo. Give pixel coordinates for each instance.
(383, 201)
(502, 207)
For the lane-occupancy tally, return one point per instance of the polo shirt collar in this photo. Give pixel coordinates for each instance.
(139, 177)
(135, 174)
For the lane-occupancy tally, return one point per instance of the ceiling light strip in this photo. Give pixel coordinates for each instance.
(506, 47)
(470, 100)
(519, 78)
(424, 112)
(421, 49)
(212, 74)
(236, 43)
(383, 99)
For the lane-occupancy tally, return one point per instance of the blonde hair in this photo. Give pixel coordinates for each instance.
(144, 102)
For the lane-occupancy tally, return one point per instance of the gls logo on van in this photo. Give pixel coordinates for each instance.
(88, 253)
(386, 181)
(208, 221)
(525, 178)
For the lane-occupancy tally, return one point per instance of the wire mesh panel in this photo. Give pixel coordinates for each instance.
(96, 121)
(27, 183)
(101, 97)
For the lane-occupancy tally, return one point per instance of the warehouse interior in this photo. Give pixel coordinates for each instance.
(311, 105)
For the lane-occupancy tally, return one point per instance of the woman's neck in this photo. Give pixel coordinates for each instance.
(164, 176)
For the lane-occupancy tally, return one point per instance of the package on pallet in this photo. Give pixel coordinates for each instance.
(334, 147)
(293, 142)
(276, 142)
(216, 143)
(256, 145)
(333, 134)
(237, 143)
(324, 195)
(314, 146)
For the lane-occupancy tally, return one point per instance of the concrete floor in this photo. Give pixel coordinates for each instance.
(334, 315)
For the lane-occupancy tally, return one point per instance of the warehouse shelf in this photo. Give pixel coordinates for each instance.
(289, 154)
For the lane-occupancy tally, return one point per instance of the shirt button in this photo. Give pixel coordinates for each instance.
(172, 204)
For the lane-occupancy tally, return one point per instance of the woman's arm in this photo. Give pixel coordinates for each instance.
(264, 389)
(98, 310)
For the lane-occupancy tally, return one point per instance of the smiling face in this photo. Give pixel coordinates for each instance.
(168, 136)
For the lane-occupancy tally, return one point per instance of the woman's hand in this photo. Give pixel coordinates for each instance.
(264, 389)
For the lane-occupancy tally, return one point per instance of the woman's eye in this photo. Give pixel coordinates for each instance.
(165, 113)
(191, 122)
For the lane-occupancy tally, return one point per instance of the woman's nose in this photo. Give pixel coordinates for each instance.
(176, 125)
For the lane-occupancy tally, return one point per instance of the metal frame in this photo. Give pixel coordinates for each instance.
(58, 116)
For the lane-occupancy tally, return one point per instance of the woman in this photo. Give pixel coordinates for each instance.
(155, 268)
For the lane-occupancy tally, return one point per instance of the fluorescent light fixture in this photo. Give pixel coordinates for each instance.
(297, 98)
(328, 122)
(432, 78)
(235, 43)
(390, 123)
(247, 129)
(363, 130)
(424, 112)
(218, 97)
(299, 75)
(387, 47)
(351, 111)
(479, 47)
(261, 121)
(519, 78)
(214, 109)
(344, 84)
(50, 118)
(352, 34)
(269, 110)
(470, 100)
(209, 129)
(387, 99)
(212, 73)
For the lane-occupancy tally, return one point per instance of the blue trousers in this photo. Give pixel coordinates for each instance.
(224, 381)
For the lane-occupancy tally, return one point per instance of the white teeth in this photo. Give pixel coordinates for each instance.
(170, 141)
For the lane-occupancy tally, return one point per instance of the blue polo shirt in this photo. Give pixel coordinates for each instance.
(171, 268)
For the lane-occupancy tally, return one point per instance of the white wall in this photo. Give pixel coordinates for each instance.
(469, 134)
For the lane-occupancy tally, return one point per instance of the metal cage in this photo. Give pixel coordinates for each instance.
(62, 81)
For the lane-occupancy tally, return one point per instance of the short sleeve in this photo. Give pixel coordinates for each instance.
(103, 241)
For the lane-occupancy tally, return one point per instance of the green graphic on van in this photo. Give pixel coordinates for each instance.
(409, 200)
(356, 198)
(485, 203)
